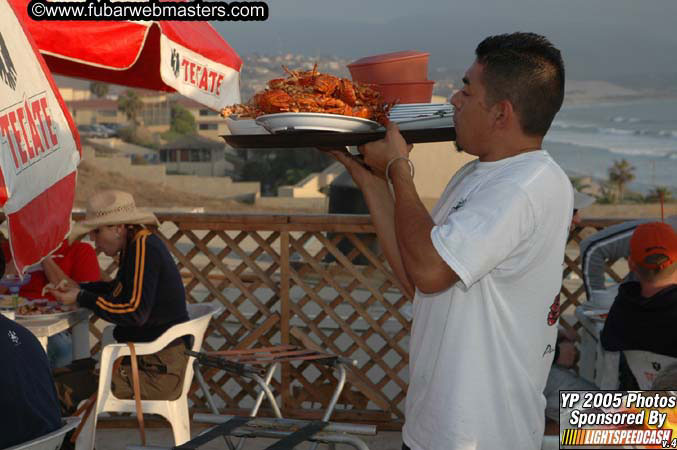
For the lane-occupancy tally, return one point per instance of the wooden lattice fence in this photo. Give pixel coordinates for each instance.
(313, 280)
(573, 291)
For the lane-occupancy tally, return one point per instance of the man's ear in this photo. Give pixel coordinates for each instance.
(632, 266)
(504, 114)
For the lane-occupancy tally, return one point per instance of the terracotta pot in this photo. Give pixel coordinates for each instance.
(398, 67)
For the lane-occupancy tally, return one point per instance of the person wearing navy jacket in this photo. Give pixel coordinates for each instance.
(145, 299)
(30, 407)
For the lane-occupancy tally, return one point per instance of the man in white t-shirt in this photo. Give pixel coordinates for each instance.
(483, 265)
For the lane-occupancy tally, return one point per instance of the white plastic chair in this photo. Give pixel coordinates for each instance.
(175, 411)
(646, 365)
(52, 440)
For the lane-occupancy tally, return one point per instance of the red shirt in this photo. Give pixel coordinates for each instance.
(78, 262)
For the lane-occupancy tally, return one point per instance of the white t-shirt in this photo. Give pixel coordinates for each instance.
(481, 350)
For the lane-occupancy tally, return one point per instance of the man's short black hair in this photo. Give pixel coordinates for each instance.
(527, 70)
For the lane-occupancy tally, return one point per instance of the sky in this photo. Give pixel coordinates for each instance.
(599, 39)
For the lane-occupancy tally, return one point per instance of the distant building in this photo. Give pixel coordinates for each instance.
(155, 114)
(73, 89)
(209, 123)
(314, 185)
(196, 155)
(156, 111)
(95, 110)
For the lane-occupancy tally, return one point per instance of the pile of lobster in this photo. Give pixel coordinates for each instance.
(312, 91)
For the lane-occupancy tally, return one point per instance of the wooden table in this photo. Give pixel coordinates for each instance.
(77, 320)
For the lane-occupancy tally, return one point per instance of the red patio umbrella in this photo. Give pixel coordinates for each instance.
(187, 57)
(39, 147)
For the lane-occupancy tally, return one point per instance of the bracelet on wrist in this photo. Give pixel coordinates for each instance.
(390, 163)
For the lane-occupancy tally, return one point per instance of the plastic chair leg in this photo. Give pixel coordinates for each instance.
(179, 418)
(85, 440)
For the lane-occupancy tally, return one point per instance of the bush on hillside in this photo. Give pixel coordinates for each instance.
(139, 136)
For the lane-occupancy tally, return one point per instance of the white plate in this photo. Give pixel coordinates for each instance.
(416, 116)
(290, 122)
(416, 110)
(244, 126)
(51, 316)
(421, 106)
(423, 122)
(40, 301)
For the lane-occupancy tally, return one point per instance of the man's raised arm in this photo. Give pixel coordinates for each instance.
(382, 211)
(412, 222)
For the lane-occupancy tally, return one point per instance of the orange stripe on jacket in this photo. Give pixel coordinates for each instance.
(137, 287)
(139, 253)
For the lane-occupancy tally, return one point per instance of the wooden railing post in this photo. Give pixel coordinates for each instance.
(285, 310)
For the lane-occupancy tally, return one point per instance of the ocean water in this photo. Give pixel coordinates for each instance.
(586, 140)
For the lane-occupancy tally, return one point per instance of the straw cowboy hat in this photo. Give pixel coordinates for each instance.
(111, 208)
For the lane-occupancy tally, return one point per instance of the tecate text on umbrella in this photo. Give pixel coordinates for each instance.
(26, 130)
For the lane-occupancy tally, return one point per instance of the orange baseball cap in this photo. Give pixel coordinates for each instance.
(655, 238)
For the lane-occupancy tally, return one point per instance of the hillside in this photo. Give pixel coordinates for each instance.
(147, 194)
(157, 197)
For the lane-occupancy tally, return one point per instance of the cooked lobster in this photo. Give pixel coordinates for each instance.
(312, 91)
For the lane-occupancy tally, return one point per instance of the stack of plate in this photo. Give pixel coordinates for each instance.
(415, 116)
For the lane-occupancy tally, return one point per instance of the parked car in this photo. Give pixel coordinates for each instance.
(95, 130)
(90, 131)
(114, 128)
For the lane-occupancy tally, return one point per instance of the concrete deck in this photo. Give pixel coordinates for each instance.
(119, 438)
